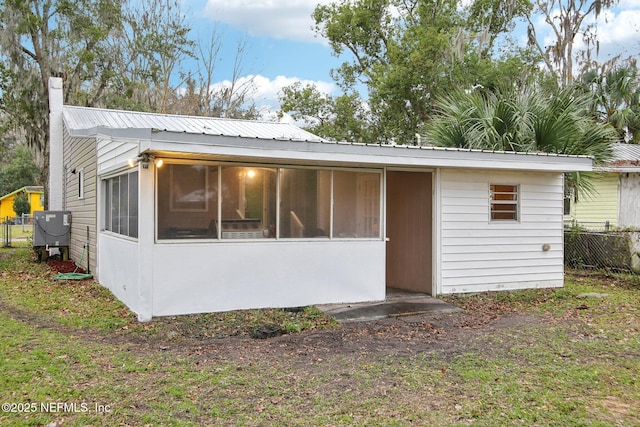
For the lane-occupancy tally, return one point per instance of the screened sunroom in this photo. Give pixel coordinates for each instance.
(217, 201)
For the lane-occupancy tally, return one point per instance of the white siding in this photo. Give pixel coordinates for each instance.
(481, 255)
(80, 155)
(114, 153)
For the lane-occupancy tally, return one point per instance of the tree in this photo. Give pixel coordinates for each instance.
(18, 171)
(44, 38)
(21, 204)
(342, 118)
(616, 98)
(154, 41)
(568, 19)
(109, 54)
(525, 120)
(408, 52)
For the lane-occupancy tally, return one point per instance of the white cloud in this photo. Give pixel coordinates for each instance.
(266, 91)
(618, 31)
(280, 19)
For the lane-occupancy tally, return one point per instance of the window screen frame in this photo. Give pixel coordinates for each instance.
(132, 208)
(275, 235)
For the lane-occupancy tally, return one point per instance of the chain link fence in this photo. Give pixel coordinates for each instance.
(15, 228)
(617, 251)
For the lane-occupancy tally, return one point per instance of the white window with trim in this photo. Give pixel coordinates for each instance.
(121, 204)
(504, 202)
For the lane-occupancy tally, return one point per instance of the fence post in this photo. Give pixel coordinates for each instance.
(6, 235)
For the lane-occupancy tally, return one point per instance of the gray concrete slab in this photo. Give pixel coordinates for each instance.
(397, 303)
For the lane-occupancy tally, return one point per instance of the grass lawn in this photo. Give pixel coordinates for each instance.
(74, 356)
(20, 231)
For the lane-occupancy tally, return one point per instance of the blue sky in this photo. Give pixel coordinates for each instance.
(281, 46)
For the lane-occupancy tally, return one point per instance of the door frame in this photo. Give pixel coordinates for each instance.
(435, 221)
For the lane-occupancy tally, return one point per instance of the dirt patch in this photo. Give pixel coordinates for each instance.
(64, 266)
(445, 335)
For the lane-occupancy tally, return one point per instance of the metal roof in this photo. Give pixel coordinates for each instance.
(622, 152)
(286, 138)
(626, 158)
(84, 120)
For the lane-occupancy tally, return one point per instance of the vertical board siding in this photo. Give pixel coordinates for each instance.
(629, 200)
(80, 154)
(600, 206)
(481, 255)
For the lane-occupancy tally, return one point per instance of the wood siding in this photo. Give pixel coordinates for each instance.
(629, 215)
(479, 254)
(80, 155)
(113, 153)
(593, 210)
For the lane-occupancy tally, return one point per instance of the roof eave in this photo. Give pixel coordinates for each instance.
(364, 154)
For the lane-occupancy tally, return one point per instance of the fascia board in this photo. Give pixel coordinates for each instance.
(362, 154)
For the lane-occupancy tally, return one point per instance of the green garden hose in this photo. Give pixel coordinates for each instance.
(74, 275)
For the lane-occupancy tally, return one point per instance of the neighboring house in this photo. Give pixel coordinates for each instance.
(35, 195)
(615, 201)
(191, 214)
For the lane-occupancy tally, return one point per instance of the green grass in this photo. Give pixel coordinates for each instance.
(575, 362)
(20, 232)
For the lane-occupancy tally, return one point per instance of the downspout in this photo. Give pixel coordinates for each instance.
(56, 136)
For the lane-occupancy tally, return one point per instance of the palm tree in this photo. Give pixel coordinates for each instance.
(524, 120)
(616, 99)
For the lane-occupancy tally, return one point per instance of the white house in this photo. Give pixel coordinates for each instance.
(215, 214)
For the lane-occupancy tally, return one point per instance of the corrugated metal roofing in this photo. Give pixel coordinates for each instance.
(626, 152)
(88, 119)
(85, 118)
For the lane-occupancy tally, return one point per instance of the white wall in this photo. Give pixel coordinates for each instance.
(119, 267)
(629, 214)
(56, 146)
(479, 255)
(221, 276)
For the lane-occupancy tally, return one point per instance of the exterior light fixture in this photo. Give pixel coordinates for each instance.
(144, 159)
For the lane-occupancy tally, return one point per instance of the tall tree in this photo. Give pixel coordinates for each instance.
(568, 19)
(341, 118)
(43, 38)
(201, 94)
(154, 42)
(616, 98)
(407, 52)
(109, 54)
